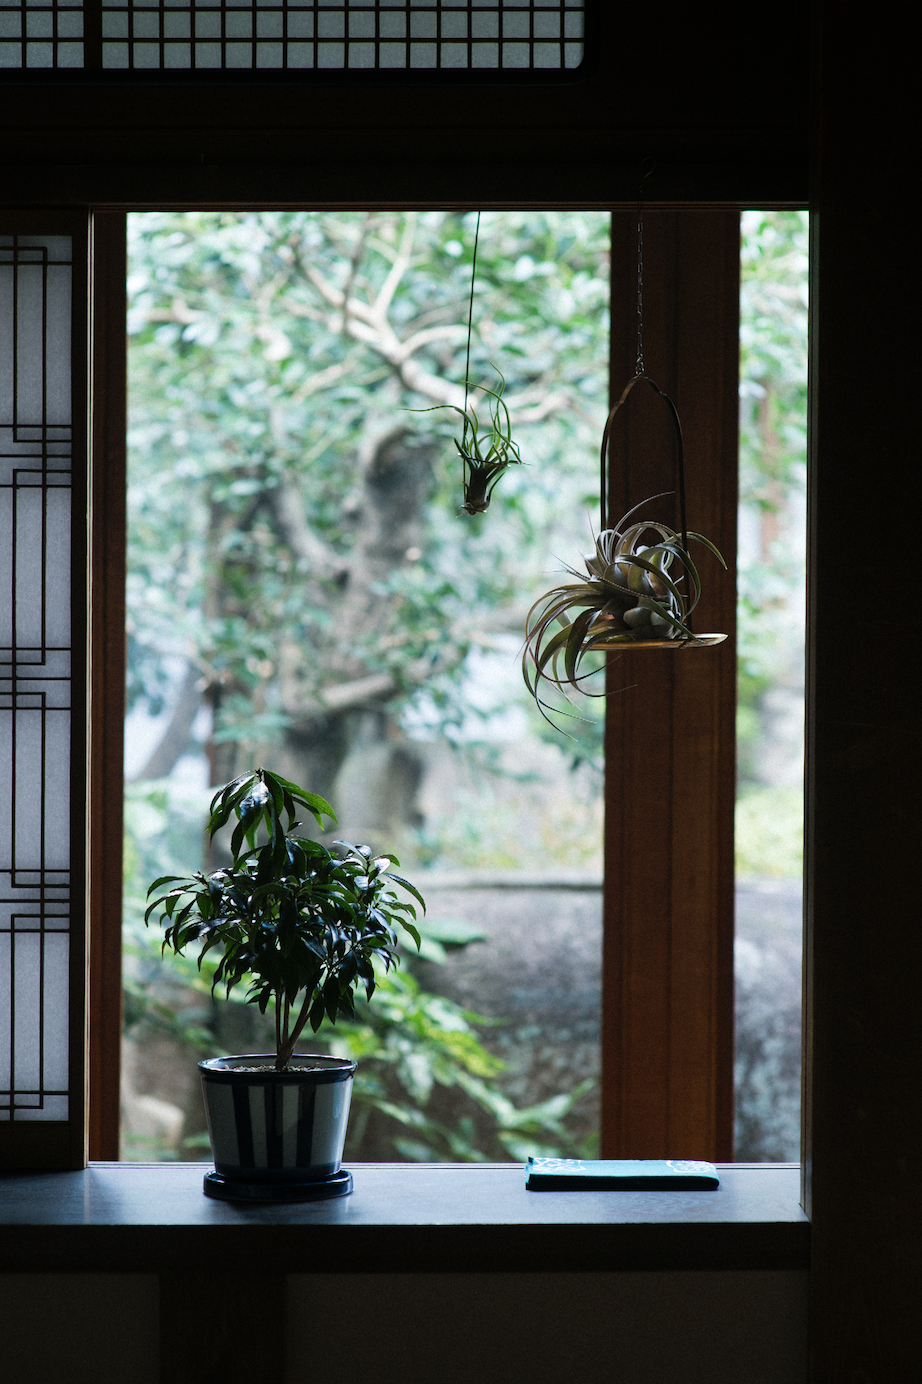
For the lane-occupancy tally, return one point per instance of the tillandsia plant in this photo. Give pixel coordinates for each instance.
(482, 461)
(484, 456)
(628, 595)
(302, 924)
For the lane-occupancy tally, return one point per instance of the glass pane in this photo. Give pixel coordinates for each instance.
(313, 33)
(303, 34)
(41, 33)
(770, 727)
(35, 686)
(305, 594)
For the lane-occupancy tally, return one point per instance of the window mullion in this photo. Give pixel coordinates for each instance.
(107, 676)
(667, 1046)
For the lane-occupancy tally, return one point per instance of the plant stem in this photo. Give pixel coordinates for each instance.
(289, 1046)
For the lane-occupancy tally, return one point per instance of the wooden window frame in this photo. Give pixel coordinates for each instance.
(667, 1005)
(107, 571)
(735, 113)
(668, 993)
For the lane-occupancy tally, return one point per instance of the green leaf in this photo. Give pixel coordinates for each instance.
(575, 640)
(408, 927)
(410, 888)
(700, 538)
(159, 883)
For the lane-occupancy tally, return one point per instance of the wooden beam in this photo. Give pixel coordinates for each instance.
(671, 82)
(107, 675)
(863, 953)
(667, 1058)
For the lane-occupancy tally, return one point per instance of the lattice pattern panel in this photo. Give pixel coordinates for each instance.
(297, 35)
(35, 673)
(41, 33)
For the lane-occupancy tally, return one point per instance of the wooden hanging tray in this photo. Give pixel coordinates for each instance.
(700, 641)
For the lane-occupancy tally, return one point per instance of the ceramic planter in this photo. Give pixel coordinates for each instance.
(277, 1136)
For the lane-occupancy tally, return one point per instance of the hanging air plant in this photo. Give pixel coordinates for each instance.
(484, 455)
(482, 469)
(630, 595)
(635, 593)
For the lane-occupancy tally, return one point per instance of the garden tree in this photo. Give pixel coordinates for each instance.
(426, 1087)
(298, 562)
(773, 416)
(769, 811)
(297, 558)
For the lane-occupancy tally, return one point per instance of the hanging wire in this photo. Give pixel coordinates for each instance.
(641, 374)
(470, 321)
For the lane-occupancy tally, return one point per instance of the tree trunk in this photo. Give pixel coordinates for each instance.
(342, 741)
(175, 740)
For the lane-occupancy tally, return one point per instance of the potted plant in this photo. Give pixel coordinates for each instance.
(304, 926)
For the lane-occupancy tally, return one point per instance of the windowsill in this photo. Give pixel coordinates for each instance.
(401, 1217)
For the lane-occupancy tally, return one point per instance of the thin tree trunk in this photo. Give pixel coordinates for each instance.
(176, 738)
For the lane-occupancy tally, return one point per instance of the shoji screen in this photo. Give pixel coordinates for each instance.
(295, 35)
(43, 398)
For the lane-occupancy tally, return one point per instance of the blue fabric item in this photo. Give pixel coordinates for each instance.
(619, 1175)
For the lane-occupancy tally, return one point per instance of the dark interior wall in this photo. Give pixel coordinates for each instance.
(639, 1328)
(91, 1328)
(716, 94)
(864, 941)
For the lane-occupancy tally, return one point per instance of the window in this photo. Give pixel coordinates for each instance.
(515, 37)
(675, 982)
(178, 418)
(304, 593)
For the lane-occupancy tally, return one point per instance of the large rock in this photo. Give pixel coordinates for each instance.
(768, 963)
(538, 973)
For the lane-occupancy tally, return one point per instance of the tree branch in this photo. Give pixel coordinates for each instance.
(174, 742)
(310, 551)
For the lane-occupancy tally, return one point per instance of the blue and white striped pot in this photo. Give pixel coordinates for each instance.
(277, 1127)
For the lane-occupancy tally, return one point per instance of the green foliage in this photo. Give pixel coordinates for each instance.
(770, 832)
(289, 915)
(272, 357)
(426, 1087)
(415, 1050)
(773, 422)
(165, 997)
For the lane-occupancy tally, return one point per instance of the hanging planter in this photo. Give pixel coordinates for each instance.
(640, 586)
(484, 454)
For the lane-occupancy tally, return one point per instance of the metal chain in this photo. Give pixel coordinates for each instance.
(638, 367)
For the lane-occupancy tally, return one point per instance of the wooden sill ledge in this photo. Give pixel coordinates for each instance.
(153, 1217)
